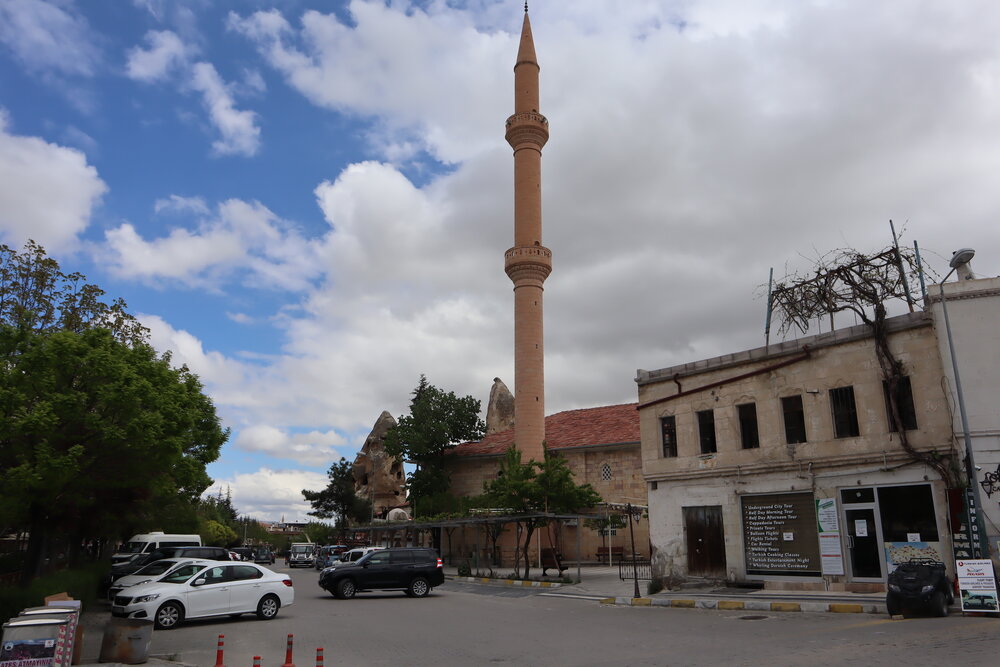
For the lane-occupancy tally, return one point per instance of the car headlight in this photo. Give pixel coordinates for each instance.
(146, 598)
(926, 589)
(894, 588)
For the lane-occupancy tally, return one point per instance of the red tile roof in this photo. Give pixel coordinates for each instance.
(606, 425)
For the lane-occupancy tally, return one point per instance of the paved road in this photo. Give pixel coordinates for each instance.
(472, 624)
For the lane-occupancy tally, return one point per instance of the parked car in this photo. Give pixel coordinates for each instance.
(980, 601)
(243, 553)
(153, 572)
(141, 560)
(263, 555)
(415, 570)
(301, 553)
(354, 554)
(328, 554)
(217, 589)
(919, 585)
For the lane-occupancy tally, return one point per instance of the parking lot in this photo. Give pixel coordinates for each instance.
(467, 624)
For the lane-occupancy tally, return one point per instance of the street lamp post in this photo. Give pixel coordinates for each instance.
(635, 565)
(961, 257)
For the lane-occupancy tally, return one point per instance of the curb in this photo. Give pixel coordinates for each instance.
(748, 605)
(508, 582)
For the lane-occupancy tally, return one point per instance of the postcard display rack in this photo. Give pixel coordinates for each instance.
(41, 636)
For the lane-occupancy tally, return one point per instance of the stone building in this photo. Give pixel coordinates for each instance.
(601, 447)
(781, 464)
(974, 315)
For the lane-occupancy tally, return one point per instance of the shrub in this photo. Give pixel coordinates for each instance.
(80, 583)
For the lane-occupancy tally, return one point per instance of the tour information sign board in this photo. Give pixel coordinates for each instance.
(977, 585)
(780, 534)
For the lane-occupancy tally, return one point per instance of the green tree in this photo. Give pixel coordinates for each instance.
(437, 421)
(338, 500)
(217, 534)
(96, 435)
(536, 488)
(36, 296)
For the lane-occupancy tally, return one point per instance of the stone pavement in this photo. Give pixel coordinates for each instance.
(604, 584)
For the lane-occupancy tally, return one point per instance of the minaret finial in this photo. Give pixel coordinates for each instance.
(525, 6)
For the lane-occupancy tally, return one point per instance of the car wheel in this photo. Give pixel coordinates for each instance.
(168, 616)
(268, 607)
(346, 589)
(939, 604)
(418, 588)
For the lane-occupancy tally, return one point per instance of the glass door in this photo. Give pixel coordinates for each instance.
(864, 543)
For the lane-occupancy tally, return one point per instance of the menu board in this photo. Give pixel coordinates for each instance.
(779, 534)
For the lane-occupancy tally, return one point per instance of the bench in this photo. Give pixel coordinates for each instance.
(616, 553)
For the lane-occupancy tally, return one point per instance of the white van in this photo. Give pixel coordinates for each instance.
(146, 542)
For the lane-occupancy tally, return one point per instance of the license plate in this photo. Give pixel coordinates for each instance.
(117, 611)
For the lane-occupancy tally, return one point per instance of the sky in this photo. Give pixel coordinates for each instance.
(308, 202)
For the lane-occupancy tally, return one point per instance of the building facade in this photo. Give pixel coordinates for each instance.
(974, 315)
(782, 465)
(601, 448)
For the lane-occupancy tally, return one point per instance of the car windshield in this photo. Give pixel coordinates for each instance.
(133, 547)
(301, 549)
(157, 567)
(182, 574)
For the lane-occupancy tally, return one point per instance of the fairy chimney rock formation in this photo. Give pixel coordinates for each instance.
(379, 477)
(500, 411)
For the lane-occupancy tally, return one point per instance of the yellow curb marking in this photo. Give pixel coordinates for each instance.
(786, 606)
(846, 608)
(608, 601)
(731, 604)
(687, 604)
(641, 602)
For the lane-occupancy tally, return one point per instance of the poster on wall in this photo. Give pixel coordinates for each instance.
(780, 534)
(976, 584)
(831, 555)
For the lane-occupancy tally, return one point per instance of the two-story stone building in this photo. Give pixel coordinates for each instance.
(783, 465)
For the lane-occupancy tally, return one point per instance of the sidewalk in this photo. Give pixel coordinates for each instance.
(604, 584)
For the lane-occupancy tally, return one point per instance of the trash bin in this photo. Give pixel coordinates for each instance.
(126, 640)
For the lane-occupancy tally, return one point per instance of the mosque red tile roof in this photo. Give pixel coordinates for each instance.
(605, 425)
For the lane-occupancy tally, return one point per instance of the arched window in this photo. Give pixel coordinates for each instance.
(606, 472)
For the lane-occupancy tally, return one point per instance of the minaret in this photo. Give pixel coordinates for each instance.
(528, 263)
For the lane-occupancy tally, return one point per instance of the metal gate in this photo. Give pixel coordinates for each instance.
(642, 569)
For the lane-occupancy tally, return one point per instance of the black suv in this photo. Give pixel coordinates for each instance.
(138, 562)
(415, 570)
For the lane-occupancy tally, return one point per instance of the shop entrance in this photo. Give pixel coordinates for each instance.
(706, 541)
(887, 525)
(864, 543)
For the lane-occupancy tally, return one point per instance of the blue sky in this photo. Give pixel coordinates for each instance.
(308, 203)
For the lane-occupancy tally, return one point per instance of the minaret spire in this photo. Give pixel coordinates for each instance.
(528, 263)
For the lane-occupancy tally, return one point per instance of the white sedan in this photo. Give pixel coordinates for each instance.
(215, 589)
(155, 571)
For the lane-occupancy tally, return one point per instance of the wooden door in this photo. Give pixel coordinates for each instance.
(706, 541)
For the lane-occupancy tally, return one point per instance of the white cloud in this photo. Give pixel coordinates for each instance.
(239, 130)
(166, 52)
(243, 239)
(271, 494)
(48, 37)
(47, 192)
(693, 147)
(179, 204)
(310, 449)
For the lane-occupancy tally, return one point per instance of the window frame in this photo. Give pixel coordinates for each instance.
(671, 446)
(707, 440)
(743, 417)
(904, 399)
(844, 411)
(790, 429)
